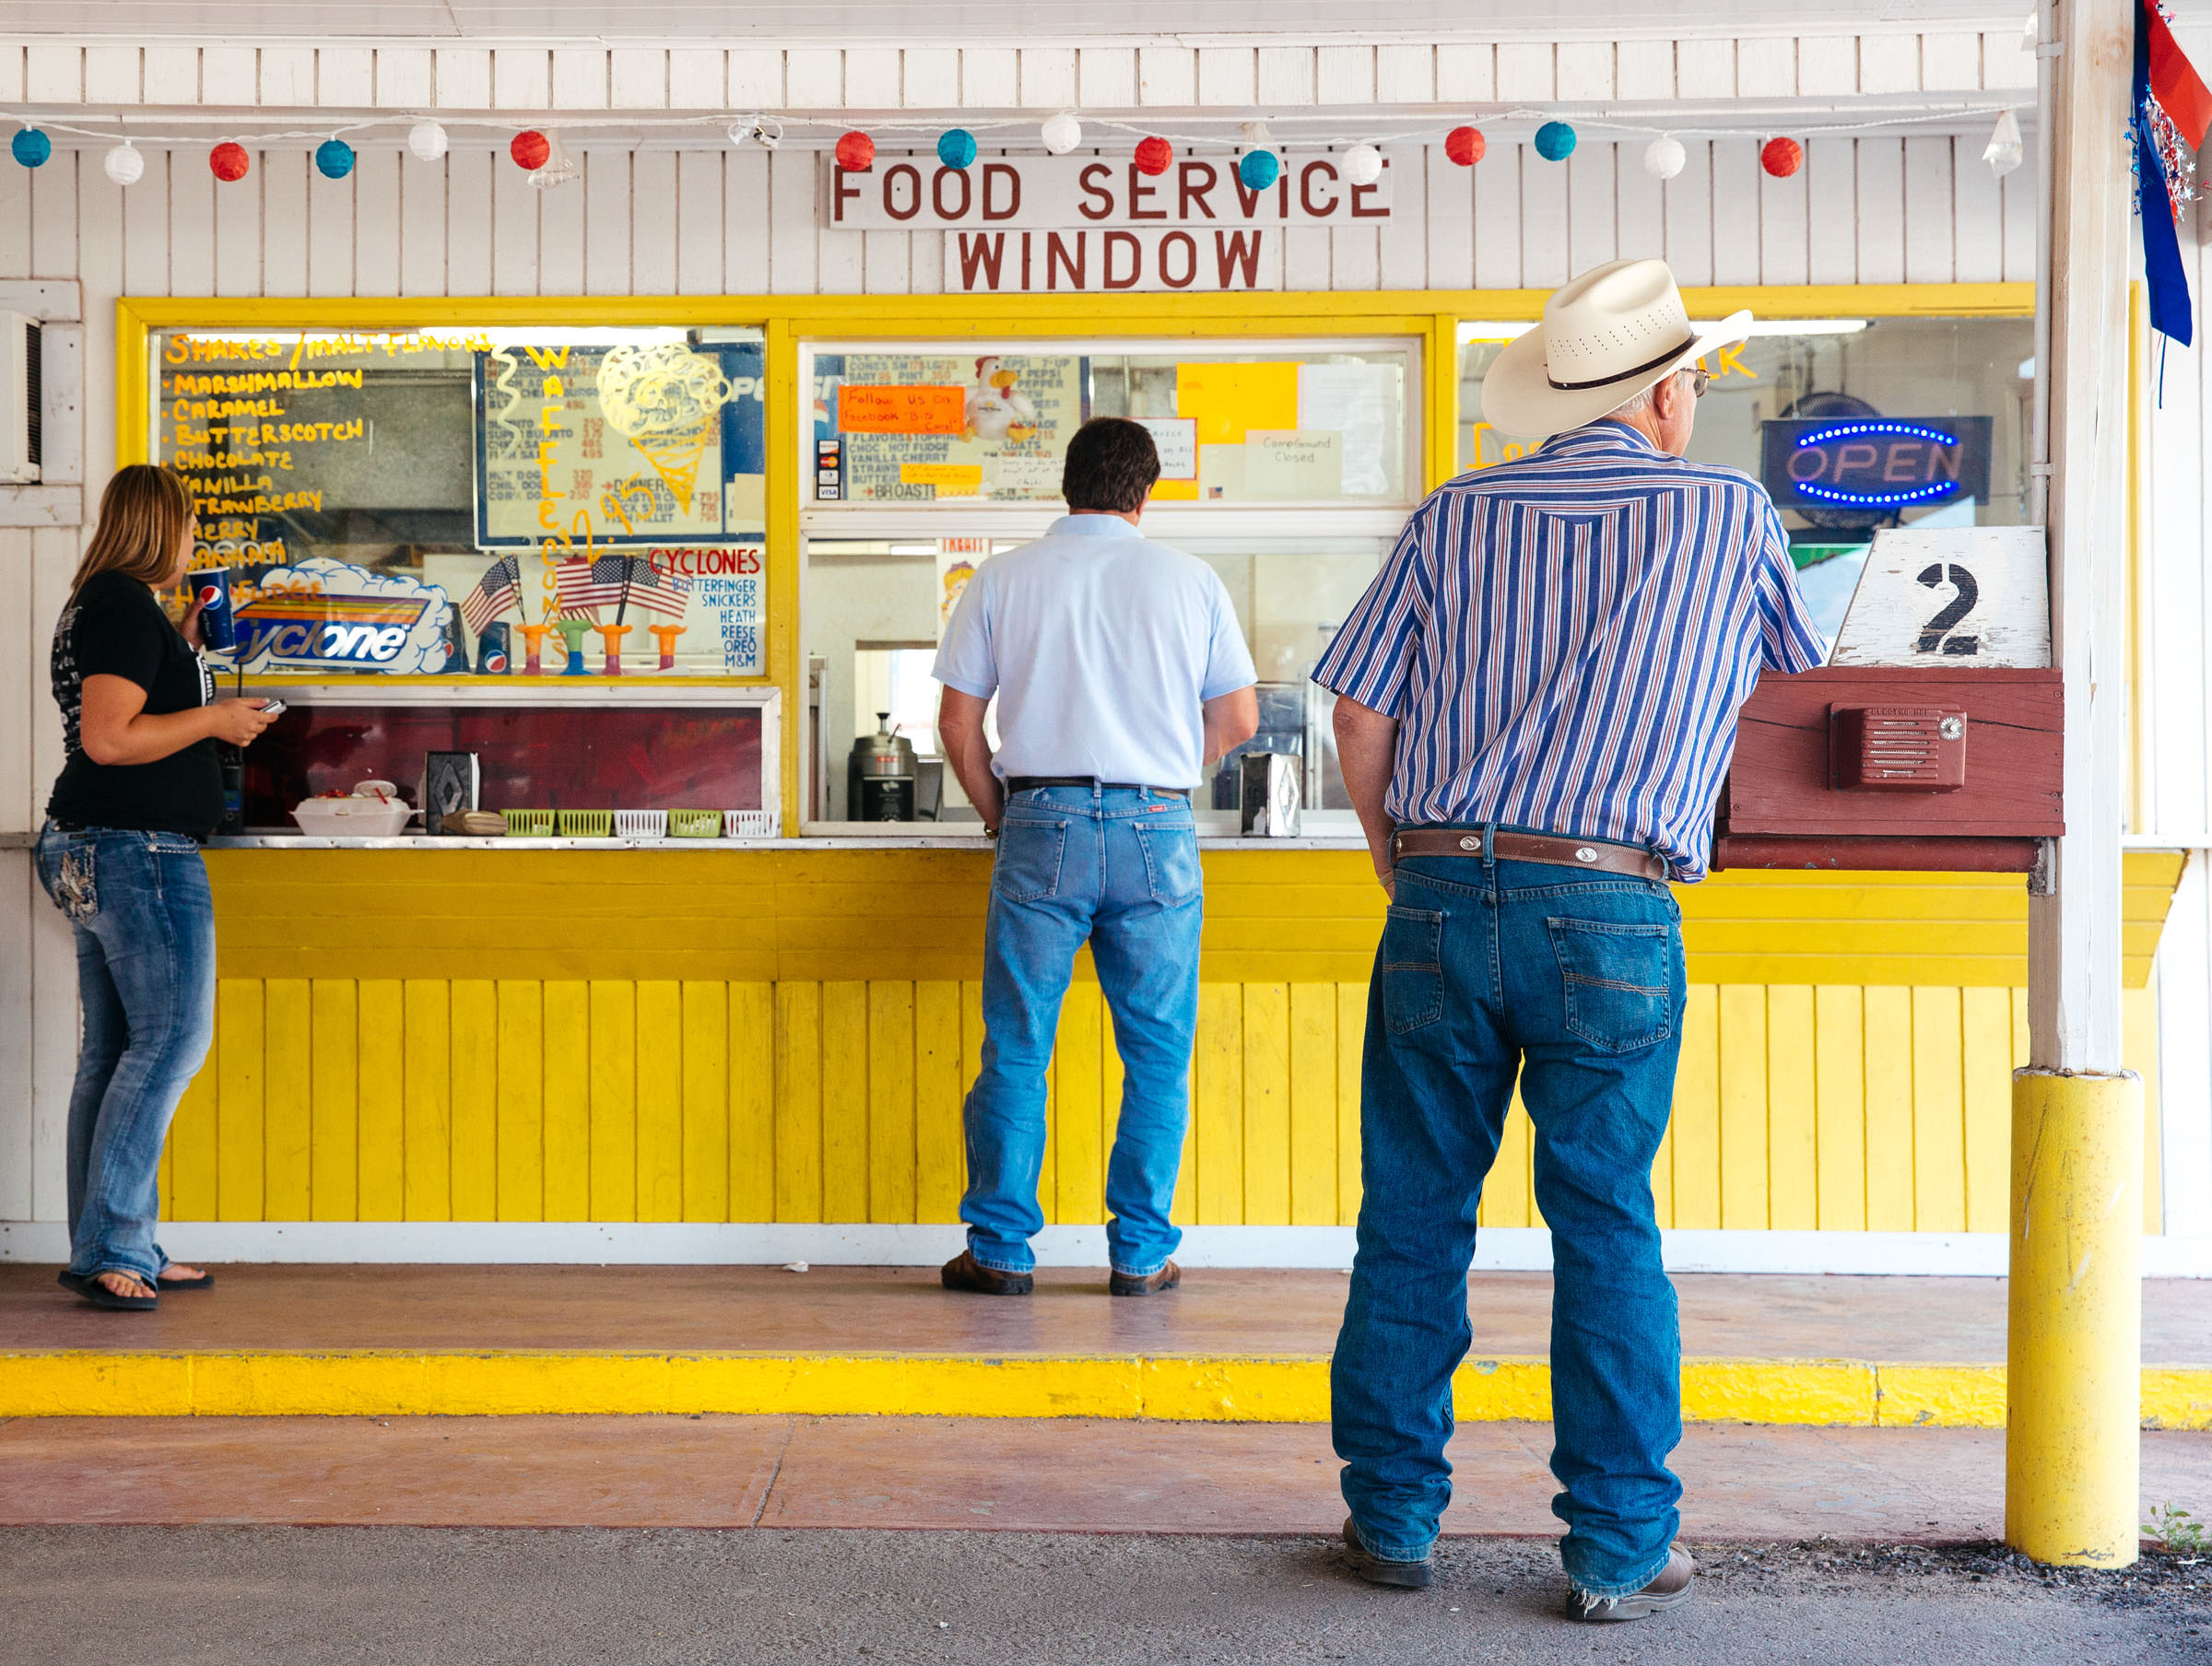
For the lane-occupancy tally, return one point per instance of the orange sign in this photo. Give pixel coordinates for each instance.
(902, 410)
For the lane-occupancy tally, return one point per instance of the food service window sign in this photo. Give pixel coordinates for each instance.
(1079, 225)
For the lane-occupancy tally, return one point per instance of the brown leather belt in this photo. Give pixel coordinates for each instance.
(1592, 854)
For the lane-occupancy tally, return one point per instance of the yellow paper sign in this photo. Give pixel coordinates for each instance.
(888, 409)
(962, 479)
(1226, 399)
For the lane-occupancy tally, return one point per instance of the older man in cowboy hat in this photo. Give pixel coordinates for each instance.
(1536, 701)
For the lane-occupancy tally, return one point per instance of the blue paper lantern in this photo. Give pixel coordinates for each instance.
(1258, 169)
(333, 158)
(31, 148)
(1554, 140)
(956, 148)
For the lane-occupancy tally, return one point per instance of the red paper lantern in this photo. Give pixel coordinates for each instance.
(1782, 157)
(229, 160)
(855, 152)
(530, 149)
(1464, 145)
(1154, 155)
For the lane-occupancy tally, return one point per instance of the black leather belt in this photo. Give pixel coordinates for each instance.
(1031, 783)
(1589, 854)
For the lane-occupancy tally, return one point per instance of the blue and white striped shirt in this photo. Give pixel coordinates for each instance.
(1565, 639)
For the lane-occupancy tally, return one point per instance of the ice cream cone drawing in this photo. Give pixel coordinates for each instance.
(994, 410)
(662, 399)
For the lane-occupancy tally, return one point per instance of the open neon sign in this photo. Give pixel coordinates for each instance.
(1877, 463)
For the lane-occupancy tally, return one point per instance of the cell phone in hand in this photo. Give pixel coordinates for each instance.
(273, 706)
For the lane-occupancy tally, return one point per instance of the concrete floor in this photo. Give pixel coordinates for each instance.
(402, 1597)
(1932, 1321)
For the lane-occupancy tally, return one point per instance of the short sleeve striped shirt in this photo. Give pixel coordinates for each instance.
(1565, 641)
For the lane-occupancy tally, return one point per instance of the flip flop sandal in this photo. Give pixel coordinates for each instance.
(99, 1295)
(204, 1282)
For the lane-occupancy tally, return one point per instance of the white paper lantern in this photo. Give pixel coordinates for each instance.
(1663, 157)
(427, 140)
(1362, 165)
(2004, 151)
(123, 165)
(1061, 133)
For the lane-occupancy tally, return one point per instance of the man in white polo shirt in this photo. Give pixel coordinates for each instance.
(1121, 673)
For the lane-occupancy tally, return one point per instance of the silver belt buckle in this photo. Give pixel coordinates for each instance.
(1584, 853)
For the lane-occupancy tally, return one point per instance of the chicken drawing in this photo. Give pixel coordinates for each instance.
(994, 410)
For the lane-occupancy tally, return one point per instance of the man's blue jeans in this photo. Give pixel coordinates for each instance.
(1576, 980)
(145, 979)
(1120, 868)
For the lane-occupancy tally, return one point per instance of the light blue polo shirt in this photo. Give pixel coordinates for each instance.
(1101, 646)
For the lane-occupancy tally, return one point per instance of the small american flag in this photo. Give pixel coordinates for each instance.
(495, 593)
(600, 582)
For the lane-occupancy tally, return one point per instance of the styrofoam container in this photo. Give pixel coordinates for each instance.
(352, 818)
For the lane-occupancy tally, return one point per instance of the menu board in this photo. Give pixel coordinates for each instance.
(928, 428)
(646, 443)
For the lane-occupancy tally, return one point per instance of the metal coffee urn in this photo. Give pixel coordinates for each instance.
(880, 775)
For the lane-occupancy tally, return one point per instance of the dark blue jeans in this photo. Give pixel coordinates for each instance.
(1120, 869)
(145, 979)
(1575, 980)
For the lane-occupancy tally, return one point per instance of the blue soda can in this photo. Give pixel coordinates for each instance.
(218, 624)
(491, 650)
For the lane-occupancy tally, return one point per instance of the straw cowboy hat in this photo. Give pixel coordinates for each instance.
(1605, 337)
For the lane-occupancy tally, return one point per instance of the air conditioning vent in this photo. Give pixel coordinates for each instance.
(22, 412)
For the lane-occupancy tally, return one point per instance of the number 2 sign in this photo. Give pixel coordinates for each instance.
(1958, 596)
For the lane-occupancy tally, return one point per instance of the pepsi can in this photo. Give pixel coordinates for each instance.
(492, 650)
(218, 624)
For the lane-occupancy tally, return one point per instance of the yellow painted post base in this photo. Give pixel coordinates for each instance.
(2074, 1385)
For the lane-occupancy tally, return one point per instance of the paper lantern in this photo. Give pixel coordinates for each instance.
(1061, 133)
(123, 165)
(1554, 141)
(956, 148)
(1464, 145)
(1257, 168)
(855, 152)
(1663, 158)
(228, 161)
(1154, 155)
(2004, 151)
(333, 158)
(530, 149)
(427, 140)
(1782, 157)
(31, 148)
(1362, 165)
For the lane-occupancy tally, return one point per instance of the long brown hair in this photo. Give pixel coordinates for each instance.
(143, 515)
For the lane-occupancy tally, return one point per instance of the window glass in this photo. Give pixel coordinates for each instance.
(437, 503)
(1852, 424)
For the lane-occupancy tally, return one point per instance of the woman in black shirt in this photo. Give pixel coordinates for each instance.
(140, 790)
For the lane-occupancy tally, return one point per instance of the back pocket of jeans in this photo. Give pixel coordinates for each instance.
(1618, 981)
(1413, 969)
(1027, 869)
(72, 881)
(1170, 861)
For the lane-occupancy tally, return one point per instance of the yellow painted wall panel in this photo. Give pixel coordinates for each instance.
(660, 1100)
(1793, 1112)
(1839, 1100)
(286, 1111)
(845, 1101)
(1938, 1114)
(892, 1145)
(1743, 1056)
(798, 1145)
(566, 1075)
(475, 1109)
(1267, 1104)
(752, 1136)
(1351, 1040)
(1080, 1119)
(940, 1086)
(614, 1093)
(1696, 1119)
(382, 1100)
(1506, 1197)
(706, 1086)
(1218, 1063)
(427, 1101)
(239, 1047)
(1888, 1076)
(520, 1093)
(332, 1095)
(194, 1185)
(1314, 1104)
(1985, 1058)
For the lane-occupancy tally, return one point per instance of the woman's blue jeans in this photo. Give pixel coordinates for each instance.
(145, 978)
(1575, 982)
(1119, 868)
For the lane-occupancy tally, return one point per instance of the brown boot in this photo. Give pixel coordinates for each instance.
(963, 1272)
(1669, 1587)
(1152, 1283)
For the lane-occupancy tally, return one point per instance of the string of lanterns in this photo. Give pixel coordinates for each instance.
(1258, 166)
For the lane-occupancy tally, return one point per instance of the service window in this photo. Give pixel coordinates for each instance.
(1852, 424)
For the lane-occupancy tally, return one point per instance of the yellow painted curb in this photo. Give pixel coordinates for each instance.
(370, 1382)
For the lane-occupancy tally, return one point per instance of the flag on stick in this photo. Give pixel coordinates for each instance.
(496, 591)
(616, 580)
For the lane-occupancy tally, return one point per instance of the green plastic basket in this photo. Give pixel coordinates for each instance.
(529, 823)
(586, 824)
(695, 824)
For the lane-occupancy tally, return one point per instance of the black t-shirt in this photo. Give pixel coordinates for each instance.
(113, 627)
